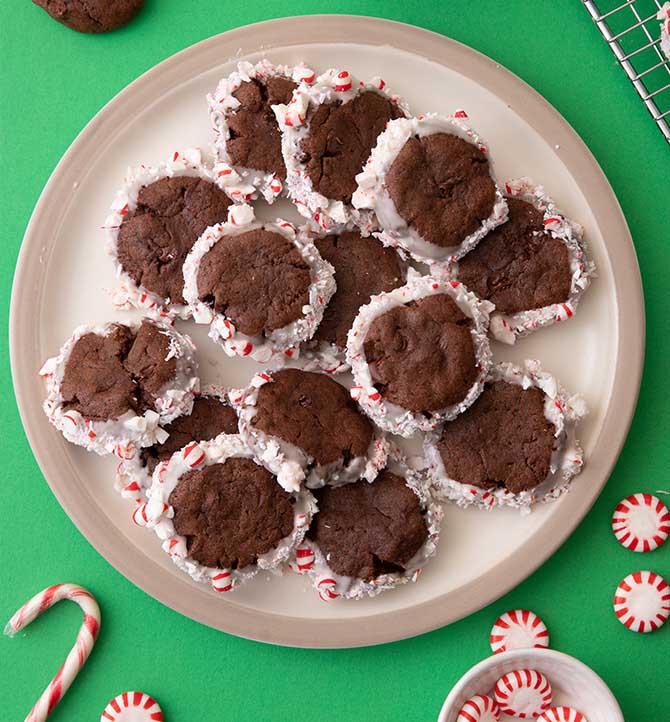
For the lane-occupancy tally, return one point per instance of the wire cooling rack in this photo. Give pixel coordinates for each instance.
(633, 33)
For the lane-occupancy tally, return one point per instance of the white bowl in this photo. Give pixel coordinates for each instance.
(573, 683)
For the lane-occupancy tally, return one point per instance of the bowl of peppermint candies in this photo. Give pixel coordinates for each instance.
(537, 684)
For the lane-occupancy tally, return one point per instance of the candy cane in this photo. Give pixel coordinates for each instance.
(78, 655)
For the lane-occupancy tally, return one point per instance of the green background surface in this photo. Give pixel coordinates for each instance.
(52, 83)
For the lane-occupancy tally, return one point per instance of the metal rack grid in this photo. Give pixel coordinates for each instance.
(633, 33)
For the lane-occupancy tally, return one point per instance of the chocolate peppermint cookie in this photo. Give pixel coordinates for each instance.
(157, 218)
(418, 353)
(92, 16)
(328, 131)
(533, 267)
(513, 446)
(262, 288)
(222, 516)
(305, 426)
(247, 137)
(431, 185)
(518, 266)
(369, 529)
(369, 537)
(111, 386)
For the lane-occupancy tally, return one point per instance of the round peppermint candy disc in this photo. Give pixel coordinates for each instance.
(641, 522)
(562, 714)
(480, 708)
(642, 601)
(518, 629)
(132, 707)
(523, 693)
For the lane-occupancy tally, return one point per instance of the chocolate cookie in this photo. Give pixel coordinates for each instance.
(503, 440)
(231, 513)
(518, 266)
(111, 387)
(257, 279)
(209, 418)
(106, 376)
(92, 16)
(254, 138)
(340, 138)
(441, 186)
(421, 355)
(315, 414)
(363, 268)
(96, 382)
(368, 529)
(155, 238)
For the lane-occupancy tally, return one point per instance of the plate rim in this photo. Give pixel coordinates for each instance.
(224, 614)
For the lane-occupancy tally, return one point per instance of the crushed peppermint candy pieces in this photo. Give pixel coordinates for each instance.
(132, 707)
(642, 601)
(641, 522)
(523, 693)
(518, 629)
(562, 714)
(480, 708)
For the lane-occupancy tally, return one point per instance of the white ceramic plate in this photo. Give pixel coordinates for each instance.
(63, 278)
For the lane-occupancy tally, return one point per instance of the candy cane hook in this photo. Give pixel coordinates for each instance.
(74, 661)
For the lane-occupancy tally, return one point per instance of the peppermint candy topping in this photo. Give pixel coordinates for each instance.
(343, 82)
(139, 515)
(193, 454)
(480, 708)
(523, 693)
(641, 522)
(222, 581)
(326, 589)
(562, 714)
(518, 629)
(132, 707)
(642, 601)
(304, 559)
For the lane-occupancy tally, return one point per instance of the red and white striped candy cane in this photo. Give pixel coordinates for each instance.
(74, 661)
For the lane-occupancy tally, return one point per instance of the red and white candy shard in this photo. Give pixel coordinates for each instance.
(304, 559)
(480, 708)
(642, 601)
(222, 581)
(562, 714)
(641, 522)
(132, 707)
(518, 629)
(523, 693)
(326, 588)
